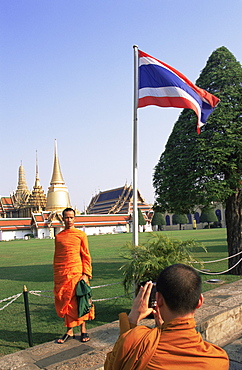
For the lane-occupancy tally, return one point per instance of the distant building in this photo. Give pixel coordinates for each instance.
(118, 201)
(47, 224)
(23, 203)
(26, 213)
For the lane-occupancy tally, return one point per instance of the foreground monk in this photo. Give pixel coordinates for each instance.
(72, 262)
(174, 343)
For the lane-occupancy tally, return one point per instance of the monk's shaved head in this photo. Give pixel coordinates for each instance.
(68, 210)
(180, 286)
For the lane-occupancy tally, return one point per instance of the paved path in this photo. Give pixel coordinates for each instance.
(221, 315)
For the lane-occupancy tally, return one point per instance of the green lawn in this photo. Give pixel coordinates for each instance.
(30, 263)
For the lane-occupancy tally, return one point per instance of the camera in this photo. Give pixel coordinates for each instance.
(152, 299)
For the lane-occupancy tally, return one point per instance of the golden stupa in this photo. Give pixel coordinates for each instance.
(57, 196)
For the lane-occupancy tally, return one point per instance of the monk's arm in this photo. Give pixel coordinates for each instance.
(86, 258)
(124, 324)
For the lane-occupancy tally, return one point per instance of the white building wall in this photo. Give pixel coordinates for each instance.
(99, 230)
(14, 234)
(45, 232)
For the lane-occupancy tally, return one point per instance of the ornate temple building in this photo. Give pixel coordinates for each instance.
(23, 203)
(118, 201)
(25, 214)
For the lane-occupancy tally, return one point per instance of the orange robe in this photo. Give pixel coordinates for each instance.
(173, 346)
(71, 260)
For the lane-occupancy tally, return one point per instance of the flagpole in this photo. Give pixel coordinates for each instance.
(135, 151)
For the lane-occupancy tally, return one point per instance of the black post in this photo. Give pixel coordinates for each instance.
(26, 306)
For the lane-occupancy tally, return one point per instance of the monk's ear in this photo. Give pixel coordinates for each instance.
(200, 302)
(159, 299)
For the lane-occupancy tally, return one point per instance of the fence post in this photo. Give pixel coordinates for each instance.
(27, 314)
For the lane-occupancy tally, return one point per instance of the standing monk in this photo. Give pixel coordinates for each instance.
(72, 262)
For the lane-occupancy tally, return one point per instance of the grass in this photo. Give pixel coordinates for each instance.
(30, 263)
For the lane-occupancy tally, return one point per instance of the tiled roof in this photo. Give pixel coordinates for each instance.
(96, 220)
(116, 201)
(6, 204)
(15, 223)
(83, 220)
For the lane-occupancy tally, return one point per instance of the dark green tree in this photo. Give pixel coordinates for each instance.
(158, 220)
(179, 219)
(208, 215)
(141, 219)
(196, 170)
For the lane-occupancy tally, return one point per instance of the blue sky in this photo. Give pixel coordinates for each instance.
(66, 73)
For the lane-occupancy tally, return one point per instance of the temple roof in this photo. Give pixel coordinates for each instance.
(15, 223)
(53, 219)
(118, 201)
(6, 204)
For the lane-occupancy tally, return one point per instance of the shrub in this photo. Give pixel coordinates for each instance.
(146, 261)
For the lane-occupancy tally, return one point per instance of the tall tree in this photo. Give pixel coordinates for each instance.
(141, 219)
(196, 170)
(158, 220)
(208, 215)
(179, 219)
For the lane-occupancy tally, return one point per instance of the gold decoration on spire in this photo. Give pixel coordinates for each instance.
(58, 196)
(22, 193)
(37, 199)
(57, 177)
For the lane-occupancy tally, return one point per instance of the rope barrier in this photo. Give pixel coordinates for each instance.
(108, 299)
(218, 273)
(101, 286)
(14, 297)
(222, 259)
(38, 292)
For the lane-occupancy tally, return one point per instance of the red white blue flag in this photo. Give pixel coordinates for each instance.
(164, 86)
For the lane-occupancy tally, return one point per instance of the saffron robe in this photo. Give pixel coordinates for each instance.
(71, 260)
(175, 345)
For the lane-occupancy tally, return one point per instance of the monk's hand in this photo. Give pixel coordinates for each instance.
(85, 278)
(157, 316)
(140, 307)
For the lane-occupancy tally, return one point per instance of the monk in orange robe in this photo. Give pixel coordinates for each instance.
(174, 343)
(72, 262)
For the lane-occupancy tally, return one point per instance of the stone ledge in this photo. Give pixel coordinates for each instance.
(219, 320)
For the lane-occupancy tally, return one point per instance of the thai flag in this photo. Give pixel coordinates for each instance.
(164, 86)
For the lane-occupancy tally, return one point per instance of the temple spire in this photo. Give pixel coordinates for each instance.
(22, 193)
(37, 199)
(37, 181)
(22, 184)
(58, 196)
(57, 177)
